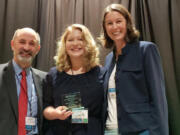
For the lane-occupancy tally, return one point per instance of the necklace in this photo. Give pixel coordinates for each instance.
(76, 72)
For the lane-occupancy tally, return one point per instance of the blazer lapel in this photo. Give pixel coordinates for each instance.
(109, 66)
(37, 83)
(10, 82)
(38, 87)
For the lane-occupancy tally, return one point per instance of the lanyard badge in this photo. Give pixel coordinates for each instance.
(30, 123)
(80, 115)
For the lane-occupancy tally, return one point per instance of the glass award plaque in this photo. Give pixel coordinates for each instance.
(72, 100)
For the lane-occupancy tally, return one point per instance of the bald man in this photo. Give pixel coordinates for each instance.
(21, 87)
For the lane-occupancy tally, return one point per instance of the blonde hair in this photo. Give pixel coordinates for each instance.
(132, 32)
(91, 59)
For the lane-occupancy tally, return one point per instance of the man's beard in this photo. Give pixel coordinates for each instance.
(22, 58)
(25, 60)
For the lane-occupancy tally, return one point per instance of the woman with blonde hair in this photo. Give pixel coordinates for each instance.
(73, 90)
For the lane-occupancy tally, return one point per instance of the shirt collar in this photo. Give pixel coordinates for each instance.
(18, 69)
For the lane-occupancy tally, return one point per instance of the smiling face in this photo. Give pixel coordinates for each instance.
(75, 44)
(25, 47)
(115, 25)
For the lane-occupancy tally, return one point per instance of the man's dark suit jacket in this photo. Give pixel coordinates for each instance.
(9, 99)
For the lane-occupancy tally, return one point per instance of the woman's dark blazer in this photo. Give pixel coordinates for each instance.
(140, 89)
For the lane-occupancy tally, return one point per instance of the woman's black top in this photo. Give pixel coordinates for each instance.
(90, 86)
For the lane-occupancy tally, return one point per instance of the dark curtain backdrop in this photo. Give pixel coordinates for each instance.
(157, 20)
